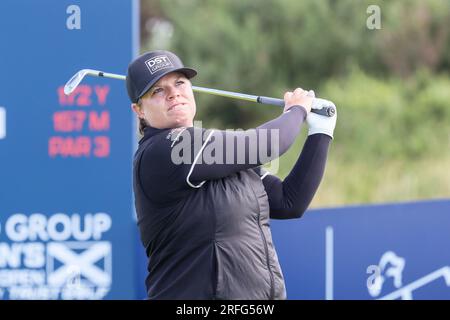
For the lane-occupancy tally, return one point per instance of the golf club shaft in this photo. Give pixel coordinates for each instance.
(325, 111)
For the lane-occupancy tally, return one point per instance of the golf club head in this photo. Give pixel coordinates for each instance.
(75, 81)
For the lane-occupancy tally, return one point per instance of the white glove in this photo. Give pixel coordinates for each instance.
(318, 123)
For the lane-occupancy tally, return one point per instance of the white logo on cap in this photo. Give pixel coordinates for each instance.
(157, 63)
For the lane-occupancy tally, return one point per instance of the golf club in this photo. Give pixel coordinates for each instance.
(319, 106)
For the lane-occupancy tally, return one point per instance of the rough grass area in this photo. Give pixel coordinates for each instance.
(376, 181)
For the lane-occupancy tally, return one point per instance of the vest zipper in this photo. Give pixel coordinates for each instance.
(266, 249)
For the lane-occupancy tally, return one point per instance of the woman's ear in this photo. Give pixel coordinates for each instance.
(138, 110)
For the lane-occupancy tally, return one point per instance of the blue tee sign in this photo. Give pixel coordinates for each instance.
(65, 173)
(392, 251)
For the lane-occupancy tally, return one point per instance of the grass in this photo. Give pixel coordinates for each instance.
(363, 181)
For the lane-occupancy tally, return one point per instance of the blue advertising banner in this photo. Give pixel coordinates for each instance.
(392, 251)
(66, 214)
(389, 252)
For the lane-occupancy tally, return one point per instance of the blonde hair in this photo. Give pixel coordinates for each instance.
(142, 123)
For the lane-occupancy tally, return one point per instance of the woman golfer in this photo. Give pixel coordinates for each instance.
(202, 200)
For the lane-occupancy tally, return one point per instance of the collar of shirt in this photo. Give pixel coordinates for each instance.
(150, 132)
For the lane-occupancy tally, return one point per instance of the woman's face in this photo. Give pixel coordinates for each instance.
(169, 103)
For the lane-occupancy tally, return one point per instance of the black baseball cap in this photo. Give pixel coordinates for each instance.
(148, 68)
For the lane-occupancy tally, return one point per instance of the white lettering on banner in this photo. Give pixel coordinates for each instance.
(37, 263)
(58, 227)
(83, 292)
(9, 278)
(30, 255)
(33, 293)
(2, 123)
